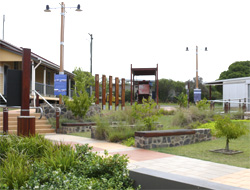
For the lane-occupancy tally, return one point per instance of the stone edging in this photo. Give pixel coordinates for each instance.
(171, 140)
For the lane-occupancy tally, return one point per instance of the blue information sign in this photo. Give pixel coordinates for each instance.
(197, 95)
(60, 85)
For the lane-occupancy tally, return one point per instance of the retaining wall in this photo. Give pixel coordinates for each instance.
(170, 138)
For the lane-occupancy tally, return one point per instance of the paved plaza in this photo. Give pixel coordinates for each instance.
(140, 158)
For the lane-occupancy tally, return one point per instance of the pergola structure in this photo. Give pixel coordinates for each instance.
(143, 72)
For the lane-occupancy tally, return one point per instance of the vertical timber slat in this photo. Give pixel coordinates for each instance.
(123, 94)
(96, 89)
(110, 92)
(116, 93)
(103, 92)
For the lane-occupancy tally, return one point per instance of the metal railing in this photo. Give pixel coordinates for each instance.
(59, 109)
(3, 98)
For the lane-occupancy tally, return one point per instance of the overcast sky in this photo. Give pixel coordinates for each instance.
(138, 32)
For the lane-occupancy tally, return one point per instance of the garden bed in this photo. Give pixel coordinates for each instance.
(227, 152)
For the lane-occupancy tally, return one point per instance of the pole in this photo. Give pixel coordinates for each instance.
(61, 71)
(3, 25)
(197, 67)
(62, 39)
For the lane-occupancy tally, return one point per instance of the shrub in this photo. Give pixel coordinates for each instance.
(59, 167)
(203, 104)
(81, 101)
(129, 142)
(182, 100)
(146, 112)
(231, 130)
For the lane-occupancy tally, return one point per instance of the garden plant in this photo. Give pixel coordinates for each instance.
(37, 163)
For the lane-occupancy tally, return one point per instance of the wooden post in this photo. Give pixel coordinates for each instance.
(239, 104)
(116, 93)
(103, 92)
(26, 67)
(123, 94)
(211, 105)
(5, 121)
(244, 107)
(97, 89)
(226, 107)
(25, 125)
(229, 105)
(57, 120)
(110, 92)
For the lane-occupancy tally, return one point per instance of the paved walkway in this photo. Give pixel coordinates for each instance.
(140, 158)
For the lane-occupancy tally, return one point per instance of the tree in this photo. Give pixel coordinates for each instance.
(81, 100)
(182, 100)
(168, 89)
(226, 128)
(236, 70)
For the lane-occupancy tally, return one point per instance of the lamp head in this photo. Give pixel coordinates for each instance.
(78, 8)
(47, 9)
(205, 48)
(187, 49)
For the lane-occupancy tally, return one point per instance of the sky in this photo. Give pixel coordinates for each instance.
(143, 33)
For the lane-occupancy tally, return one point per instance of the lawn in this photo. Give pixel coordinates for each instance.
(82, 134)
(201, 151)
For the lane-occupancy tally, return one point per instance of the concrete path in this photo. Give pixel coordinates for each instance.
(139, 158)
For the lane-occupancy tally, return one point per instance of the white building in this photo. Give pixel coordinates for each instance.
(234, 89)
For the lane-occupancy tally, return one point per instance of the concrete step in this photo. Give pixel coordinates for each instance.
(38, 131)
(14, 122)
(14, 127)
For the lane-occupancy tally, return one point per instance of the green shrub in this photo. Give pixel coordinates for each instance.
(146, 112)
(182, 100)
(59, 166)
(210, 125)
(203, 104)
(129, 142)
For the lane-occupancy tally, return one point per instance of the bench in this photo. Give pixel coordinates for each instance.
(170, 138)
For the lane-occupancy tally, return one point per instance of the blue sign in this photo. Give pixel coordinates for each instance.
(197, 95)
(60, 85)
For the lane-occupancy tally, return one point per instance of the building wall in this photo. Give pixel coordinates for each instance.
(234, 90)
(9, 56)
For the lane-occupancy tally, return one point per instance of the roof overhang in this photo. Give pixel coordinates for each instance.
(144, 71)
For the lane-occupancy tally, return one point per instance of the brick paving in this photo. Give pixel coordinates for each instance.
(190, 167)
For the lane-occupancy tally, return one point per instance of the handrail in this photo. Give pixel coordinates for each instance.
(3, 98)
(41, 115)
(59, 109)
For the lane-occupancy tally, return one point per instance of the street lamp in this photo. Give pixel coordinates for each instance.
(197, 91)
(61, 71)
(47, 9)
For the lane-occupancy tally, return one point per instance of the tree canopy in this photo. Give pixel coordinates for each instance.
(236, 70)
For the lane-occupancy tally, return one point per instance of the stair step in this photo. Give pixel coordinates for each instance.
(40, 131)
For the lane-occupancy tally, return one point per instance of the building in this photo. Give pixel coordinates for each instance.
(43, 71)
(234, 89)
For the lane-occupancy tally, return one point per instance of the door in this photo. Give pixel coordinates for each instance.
(5, 79)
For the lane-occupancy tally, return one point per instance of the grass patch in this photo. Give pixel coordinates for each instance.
(201, 151)
(82, 134)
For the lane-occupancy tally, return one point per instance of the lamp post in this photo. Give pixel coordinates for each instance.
(61, 71)
(197, 91)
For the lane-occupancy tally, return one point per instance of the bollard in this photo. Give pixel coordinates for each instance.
(103, 92)
(110, 92)
(226, 107)
(239, 104)
(212, 105)
(244, 107)
(5, 121)
(123, 94)
(116, 93)
(57, 120)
